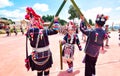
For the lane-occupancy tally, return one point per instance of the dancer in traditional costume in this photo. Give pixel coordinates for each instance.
(68, 42)
(94, 43)
(41, 56)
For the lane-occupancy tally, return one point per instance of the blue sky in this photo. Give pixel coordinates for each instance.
(15, 9)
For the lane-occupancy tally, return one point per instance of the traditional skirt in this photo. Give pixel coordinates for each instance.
(41, 61)
(68, 52)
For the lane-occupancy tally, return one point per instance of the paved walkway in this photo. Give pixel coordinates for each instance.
(12, 55)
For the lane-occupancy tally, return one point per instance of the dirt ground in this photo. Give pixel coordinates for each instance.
(12, 55)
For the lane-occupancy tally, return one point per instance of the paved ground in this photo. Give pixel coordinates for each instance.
(12, 55)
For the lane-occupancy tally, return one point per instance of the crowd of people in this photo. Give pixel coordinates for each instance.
(9, 30)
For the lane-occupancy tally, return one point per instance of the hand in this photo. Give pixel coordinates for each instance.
(80, 48)
(55, 18)
(82, 17)
(103, 51)
(60, 41)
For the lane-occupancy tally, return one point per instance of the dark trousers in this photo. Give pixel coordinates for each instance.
(90, 63)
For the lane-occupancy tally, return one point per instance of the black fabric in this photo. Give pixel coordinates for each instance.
(46, 73)
(39, 55)
(42, 41)
(90, 63)
(68, 39)
(32, 34)
(34, 66)
(100, 20)
(40, 73)
(100, 23)
(92, 47)
(119, 36)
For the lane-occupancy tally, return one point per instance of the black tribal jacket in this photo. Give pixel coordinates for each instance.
(43, 40)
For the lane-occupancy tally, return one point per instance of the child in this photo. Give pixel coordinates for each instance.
(41, 57)
(94, 43)
(107, 31)
(69, 40)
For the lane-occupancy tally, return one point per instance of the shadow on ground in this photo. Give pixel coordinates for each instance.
(65, 73)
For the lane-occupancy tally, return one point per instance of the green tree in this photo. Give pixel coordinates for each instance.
(90, 22)
(48, 18)
(4, 18)
(8, 21)
(73, 13)
(44, 18)
(62, 22)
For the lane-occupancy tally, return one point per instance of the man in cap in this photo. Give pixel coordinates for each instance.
(94, 43)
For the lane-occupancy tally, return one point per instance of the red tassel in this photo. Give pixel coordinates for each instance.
(27, 64)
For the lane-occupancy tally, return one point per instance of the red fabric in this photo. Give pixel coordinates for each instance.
(38, 25)
(36, 20)
(27, 17)
(71, 25)
(27, 64)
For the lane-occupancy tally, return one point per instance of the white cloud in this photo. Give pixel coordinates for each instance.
(19, 14)
(14, 15)
(41, 7)
(114, 18)
(64, 15)
(89, 14)
(23, 8)
(4, 3)
(118, 8)
(92, 13)
(113, 15)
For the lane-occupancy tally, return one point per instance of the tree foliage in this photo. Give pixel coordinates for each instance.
(73, 13)
(49, 18)
(90, 22)
(62, 22)
(7, 21)
(4, 18)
